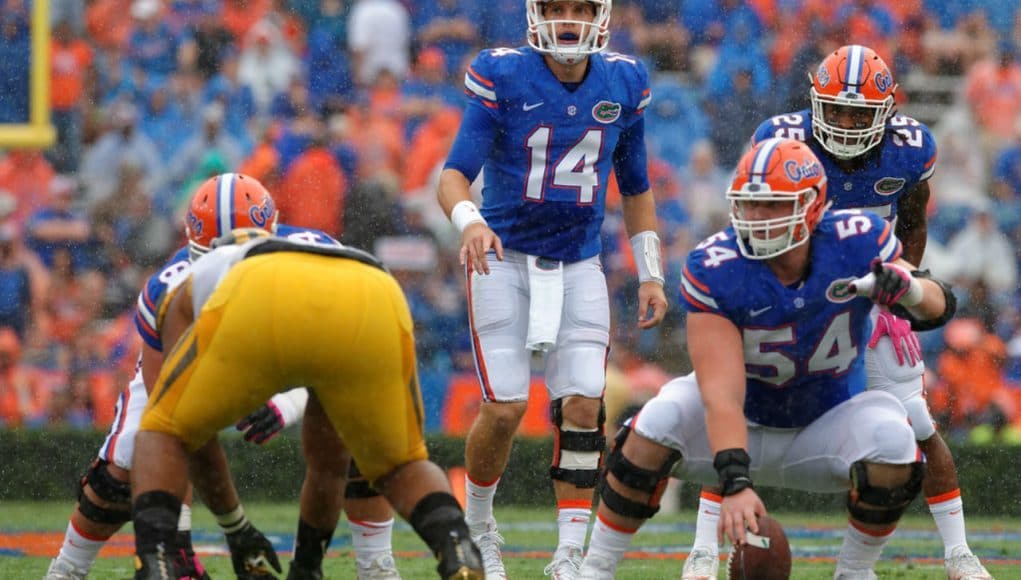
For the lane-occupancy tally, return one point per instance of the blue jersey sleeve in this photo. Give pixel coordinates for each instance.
(482, 80)
(477, 132)
(701, 290)
(147, 306)
(630, 161)
(474, 140)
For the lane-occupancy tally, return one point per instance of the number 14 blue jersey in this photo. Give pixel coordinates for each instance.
(804, 346)
(548, 149)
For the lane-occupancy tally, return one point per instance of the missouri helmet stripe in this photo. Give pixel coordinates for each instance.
(225, 203)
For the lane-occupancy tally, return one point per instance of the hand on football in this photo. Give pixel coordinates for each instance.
(905, 343)
(476, 240)
(739, 512)
(252, 554)
(262, 424)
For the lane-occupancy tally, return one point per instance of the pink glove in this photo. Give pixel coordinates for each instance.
(905, 343)
(887, 284)
(262, 424)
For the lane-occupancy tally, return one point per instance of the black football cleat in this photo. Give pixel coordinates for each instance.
(252, 554)
(298, 573)
(156, 566)
(460, 559)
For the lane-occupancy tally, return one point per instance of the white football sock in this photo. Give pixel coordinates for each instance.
(707, 522)
(609, 541)
(371, 539)
(572, 523)
(80, 550)
(478, 500)
(948, 511)
(861, 548)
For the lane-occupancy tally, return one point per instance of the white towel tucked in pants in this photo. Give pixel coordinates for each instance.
(546, 302)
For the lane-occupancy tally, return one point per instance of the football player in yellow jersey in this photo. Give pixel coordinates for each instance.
(257, 315)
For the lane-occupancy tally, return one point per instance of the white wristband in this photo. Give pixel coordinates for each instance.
(913, 297)
(291, 405)
(464, 214)
(645, 246)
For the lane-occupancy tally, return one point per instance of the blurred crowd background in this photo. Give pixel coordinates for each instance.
(345, 110)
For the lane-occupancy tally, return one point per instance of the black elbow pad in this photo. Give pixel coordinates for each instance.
(919, 325)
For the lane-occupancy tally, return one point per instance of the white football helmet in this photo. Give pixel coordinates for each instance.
(544, 35)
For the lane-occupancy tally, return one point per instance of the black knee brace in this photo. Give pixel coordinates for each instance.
(585, 472)
(357, 486)
(886, 504)
(110, 490)
(649, 481)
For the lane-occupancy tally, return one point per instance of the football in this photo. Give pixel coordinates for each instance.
(764, 556)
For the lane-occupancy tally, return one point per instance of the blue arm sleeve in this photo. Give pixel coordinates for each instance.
(629, 160)
(474, 141)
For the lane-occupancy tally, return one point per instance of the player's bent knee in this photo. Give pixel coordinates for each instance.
(874, 504)
(577, 452)
(114, 496)
(649, 481)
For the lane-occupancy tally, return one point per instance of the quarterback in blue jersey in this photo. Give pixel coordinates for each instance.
(776, 333)
(548, 121)
(877, 160)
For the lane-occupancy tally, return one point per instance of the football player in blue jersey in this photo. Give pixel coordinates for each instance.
(218, 205)
(548, 121)
(881, 161)
(777, 333)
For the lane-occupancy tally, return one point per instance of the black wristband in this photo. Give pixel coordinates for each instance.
(732, 465)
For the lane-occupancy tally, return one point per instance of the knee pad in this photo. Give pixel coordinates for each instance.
(921, 419)
(886, 504)
(649, 481)
(577, 455)
(109, 489)
(357, 486)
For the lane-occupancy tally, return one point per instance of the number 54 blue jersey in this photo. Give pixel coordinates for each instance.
(804, 345)
(548, 148)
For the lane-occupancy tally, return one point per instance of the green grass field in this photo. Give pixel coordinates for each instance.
(30, 534)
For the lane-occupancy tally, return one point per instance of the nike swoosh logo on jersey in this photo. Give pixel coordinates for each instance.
(754, 313)
(528, 107)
